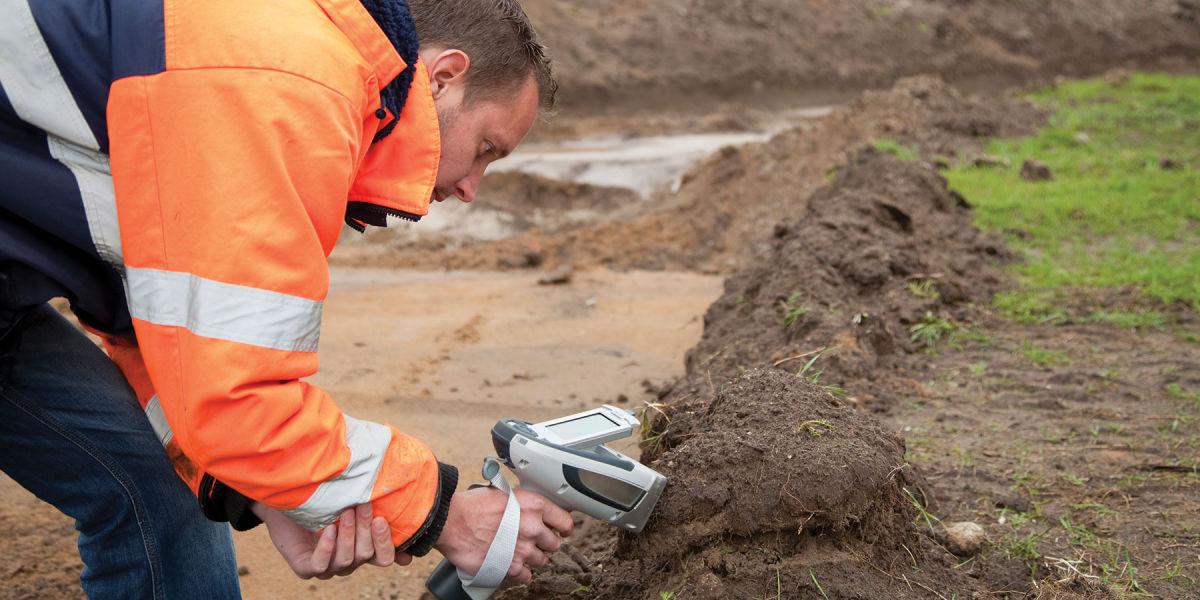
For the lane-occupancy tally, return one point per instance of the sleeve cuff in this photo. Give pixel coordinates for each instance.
(220, 503)
(422, 542)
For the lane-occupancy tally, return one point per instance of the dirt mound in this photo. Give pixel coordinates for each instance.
(709, 53)
(885, 248)
(769, 432)
(937, 119)
(777, 487)
(719, 217)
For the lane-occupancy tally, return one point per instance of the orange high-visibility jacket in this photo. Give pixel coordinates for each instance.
(181, 170)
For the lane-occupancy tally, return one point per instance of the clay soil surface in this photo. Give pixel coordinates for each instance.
(703, 298)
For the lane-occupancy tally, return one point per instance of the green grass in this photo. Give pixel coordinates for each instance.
(925, 288)
(1043, 356)
(792, 309)
(1021, 547)
(1113, 218)
(902, 152)
(930, 329)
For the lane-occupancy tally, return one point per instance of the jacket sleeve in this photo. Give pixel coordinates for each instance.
(231, 188)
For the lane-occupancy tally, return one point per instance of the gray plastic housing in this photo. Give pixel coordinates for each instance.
(595, 480)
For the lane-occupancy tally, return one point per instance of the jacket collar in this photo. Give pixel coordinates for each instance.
(398, 174)
(399, 171)
(362, 31)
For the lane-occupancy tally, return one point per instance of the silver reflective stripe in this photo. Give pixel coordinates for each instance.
(223, 311)
(368, 442)
(94, 178)
(40, 96)
(32, 80)
(158, 420)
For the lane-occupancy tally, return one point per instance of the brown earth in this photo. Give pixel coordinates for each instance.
(1099, 439)
(699, 56)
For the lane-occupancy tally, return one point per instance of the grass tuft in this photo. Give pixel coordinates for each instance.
(896, 148)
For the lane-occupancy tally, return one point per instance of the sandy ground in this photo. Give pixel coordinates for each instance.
(443, 356)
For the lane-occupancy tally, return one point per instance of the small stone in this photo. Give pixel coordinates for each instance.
(987, 160)
(1035, 170)
(964, 538)
(1083, 139)
(558, 276)
(532, 256)
(1167, 163)
(527, 259)
(710, 586)
(243, 571)
(1014, 503)
(1116, 76)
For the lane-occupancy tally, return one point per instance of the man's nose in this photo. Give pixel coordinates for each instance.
(465, 188)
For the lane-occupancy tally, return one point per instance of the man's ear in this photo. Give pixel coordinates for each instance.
(447, 69)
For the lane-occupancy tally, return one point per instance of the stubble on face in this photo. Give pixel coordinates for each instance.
(446, 115)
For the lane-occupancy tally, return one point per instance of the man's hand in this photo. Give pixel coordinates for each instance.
(474, 517)
(354, 540)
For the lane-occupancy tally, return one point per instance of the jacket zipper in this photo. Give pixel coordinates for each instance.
(354, 210)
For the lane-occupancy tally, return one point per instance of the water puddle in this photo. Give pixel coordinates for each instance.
(642, 164)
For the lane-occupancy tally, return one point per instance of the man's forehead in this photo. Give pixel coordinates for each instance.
(515, 118)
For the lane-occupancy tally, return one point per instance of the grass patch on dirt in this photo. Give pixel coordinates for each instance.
(1122, 212)
(896, 148)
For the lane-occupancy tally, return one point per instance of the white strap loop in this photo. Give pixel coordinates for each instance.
(500, 554)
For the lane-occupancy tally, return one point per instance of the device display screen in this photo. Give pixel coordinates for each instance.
(582, 427)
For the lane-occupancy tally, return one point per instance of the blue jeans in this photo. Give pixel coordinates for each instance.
(73, 433)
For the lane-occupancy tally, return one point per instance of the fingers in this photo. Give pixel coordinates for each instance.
(318, 561)
(381, 538)
(519, 573)
(526, 558)
(364, 538)
(353, 540)
(343, 557)
(541, 519)
(536, 558)
(558, 519)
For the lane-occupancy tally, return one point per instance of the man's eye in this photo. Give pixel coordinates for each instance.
(489, 149)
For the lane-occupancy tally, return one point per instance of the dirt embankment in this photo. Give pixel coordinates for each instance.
(621, 56)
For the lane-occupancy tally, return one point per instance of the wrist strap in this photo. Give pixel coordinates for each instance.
(500, 554)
